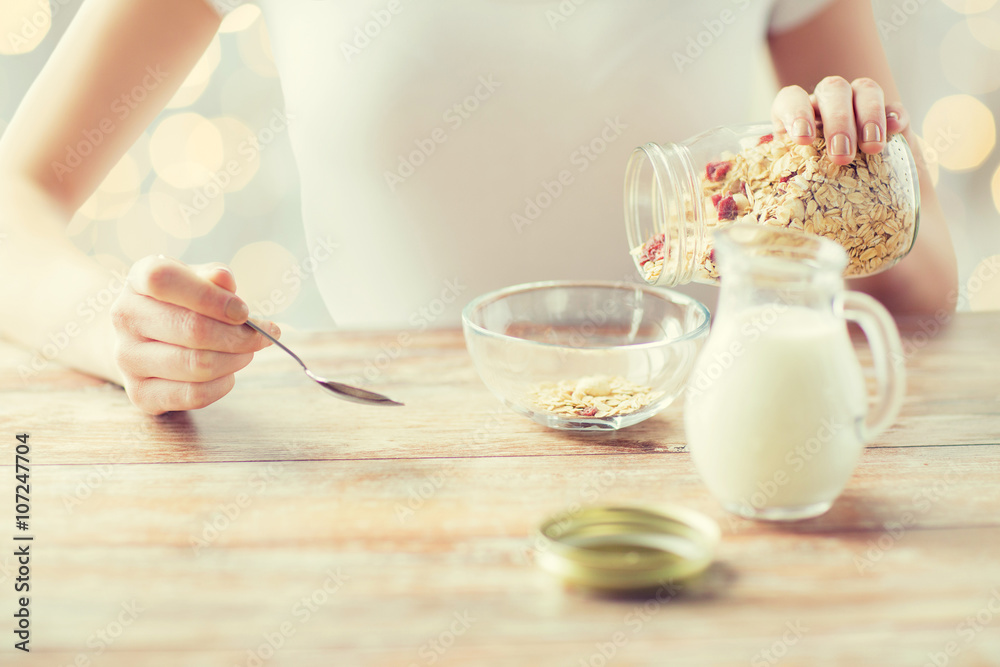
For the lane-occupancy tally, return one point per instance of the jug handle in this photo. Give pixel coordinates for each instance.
(887, 356)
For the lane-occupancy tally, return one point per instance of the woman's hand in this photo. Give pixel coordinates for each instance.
(180, 334)
(853, 114)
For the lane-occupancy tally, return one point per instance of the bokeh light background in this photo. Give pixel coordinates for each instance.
(165, 195)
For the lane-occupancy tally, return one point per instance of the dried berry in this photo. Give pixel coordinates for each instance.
(766, 138)
(653, 250)
(727, 208)
(716, 171)
(716, 198)
(587, 412)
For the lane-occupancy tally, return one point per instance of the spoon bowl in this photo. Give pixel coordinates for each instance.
(338, 389)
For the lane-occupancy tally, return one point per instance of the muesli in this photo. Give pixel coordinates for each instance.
(865, 206)
(592, 396)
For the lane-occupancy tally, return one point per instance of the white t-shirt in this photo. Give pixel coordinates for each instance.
(453, 147)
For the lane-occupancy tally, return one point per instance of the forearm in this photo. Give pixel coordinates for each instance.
(56, 299)
(843, 41)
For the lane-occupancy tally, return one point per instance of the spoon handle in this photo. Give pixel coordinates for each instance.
(276, 342)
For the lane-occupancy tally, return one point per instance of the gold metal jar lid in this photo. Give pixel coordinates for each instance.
(621, 548)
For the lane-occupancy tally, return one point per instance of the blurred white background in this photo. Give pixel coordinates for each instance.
(945, 54)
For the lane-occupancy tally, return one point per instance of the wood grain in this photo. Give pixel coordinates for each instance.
(216, 525)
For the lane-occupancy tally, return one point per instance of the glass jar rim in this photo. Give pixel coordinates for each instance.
(628, 547)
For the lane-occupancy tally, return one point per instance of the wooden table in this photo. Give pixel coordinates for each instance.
(345, 535)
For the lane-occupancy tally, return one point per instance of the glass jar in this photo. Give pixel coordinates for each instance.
(676, 195)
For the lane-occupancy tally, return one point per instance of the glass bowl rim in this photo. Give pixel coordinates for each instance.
(663, 293)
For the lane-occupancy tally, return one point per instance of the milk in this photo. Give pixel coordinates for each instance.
(774, 411)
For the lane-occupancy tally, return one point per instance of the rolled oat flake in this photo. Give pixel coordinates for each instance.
(676, 195)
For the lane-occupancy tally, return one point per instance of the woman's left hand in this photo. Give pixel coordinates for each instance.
(853, 115)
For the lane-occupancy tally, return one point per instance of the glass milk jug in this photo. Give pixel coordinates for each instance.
(777, 411)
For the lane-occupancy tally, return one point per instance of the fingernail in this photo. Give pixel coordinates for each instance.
(893, 115)
(801, 128)
(236, 309)
(273, 329)
(840, 144)
(871, 133)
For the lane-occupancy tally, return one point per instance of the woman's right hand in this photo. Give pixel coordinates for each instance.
(179, 334)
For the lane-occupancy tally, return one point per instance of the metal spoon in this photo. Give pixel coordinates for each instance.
(340, 390)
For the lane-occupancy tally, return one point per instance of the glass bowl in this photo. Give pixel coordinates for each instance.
(585, 355)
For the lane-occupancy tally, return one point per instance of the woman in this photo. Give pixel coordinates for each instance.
(443, 150)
